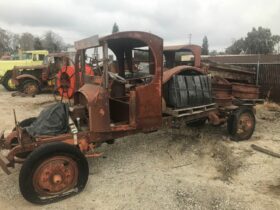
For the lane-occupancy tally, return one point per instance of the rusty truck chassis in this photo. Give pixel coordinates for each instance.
(110, 106)
(94, 95)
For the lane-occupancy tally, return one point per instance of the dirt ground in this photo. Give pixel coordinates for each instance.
(169, 169)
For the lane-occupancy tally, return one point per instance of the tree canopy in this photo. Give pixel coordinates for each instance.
(257, 41)
(4, 41)
(53, 42)
(26, 41)
(205, 46)
(10, 42)
(38, 44)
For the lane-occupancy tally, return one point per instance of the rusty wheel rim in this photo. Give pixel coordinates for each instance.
(55, 175)
(31, 89)
(245, 124)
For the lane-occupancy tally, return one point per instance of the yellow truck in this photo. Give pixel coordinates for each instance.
(26, 58)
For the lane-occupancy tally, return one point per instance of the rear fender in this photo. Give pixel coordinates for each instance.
(27, 76)
(167, 75)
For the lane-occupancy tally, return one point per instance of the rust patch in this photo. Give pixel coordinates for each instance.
(101, 111)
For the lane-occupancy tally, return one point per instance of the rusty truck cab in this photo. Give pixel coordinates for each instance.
(177, 55)
(122, 99)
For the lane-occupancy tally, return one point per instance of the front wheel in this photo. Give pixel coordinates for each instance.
(7, 81)
(241, 124)
(53, 172)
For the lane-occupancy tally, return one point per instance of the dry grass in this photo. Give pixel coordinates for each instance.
(271, 106)
(226, 163)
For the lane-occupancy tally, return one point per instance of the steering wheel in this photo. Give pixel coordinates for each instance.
(117, 77)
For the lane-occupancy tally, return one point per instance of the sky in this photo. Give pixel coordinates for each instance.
(222, 21)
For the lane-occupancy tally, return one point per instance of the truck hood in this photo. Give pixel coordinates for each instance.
(6, 65)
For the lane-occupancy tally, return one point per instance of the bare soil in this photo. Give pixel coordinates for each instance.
(170, 169)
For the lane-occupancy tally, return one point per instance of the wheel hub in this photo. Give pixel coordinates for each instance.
(57, 179)
(55, 175)
(31, 89)
(245, 123)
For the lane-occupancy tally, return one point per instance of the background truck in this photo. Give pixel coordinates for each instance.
(115, 103)
(33, 79)
(56, 74)
(26, 58)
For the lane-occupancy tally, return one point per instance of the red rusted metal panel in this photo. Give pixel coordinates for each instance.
(98, 107)
(222, 91)
(245, 91)
(148, 107)
(176, 70)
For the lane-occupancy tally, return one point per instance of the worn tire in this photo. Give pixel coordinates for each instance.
(234, 123)
(6, 81)
(30, 87)
(43, 153)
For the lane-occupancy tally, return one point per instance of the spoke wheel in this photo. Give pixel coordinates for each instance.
(241, 124)
(66, 82)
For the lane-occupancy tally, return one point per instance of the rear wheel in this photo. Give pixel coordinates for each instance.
(53, 172)
(7, 81)
(241, 124)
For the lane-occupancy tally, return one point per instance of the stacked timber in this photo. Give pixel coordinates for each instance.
(230, 72)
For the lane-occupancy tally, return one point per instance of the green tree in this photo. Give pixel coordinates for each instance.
(237, 47)
(260, 41)
(205, 46)
(257, 41)
(115, 28)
